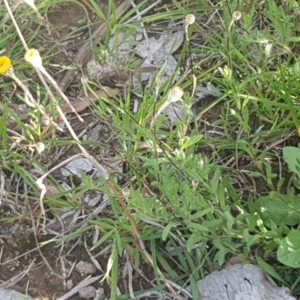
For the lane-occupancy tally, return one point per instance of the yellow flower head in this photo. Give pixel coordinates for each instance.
(298, 130)
(5, 64)
(33, 57)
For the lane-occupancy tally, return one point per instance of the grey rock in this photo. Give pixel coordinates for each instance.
(8, 294)
(86, 267)
(241, 282)
(99, 294)
(87, 292)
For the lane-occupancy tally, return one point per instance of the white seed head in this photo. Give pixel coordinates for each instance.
(201, 162)
(195, 182)
(175, 94)
(40, 147)
(236, 15)
(190, 19)
(126, 191)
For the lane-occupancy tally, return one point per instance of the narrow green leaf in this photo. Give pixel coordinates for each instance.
(166, 267)
(269, 269)
(212, 223)
(103, 239)
(193, 140)
(201, 213)
(166, 231)
(155, 266)
(198, 226)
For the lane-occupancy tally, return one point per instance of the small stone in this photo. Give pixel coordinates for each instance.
(100, 295)
(70, 284)
(86, 267)
(139, 36)
(8, 294)
(87, 292)
(92, 201)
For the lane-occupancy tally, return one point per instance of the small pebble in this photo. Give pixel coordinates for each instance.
(99, 294)
(70, 284)
(85, 267)
(87, 292)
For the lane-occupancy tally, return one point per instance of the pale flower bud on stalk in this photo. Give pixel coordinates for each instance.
(33, 57)
(174, 95)
(126, 192)
(195, 183)
(235, 17)
(189, 20)
(201, 162)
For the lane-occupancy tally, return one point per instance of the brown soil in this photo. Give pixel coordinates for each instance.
(20, 250)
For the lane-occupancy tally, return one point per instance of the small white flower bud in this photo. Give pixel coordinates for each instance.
(236, 15)
(190, 19)
(33, 57)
